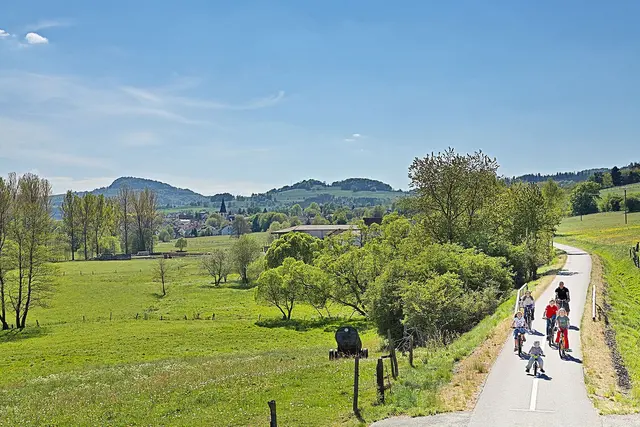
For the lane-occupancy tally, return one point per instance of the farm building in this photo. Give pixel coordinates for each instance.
(319, 231)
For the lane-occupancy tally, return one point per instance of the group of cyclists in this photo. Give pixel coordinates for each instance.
(556, 314)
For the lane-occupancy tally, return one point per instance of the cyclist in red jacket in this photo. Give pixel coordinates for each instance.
(550, 313)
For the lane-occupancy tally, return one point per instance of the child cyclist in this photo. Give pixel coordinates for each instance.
(550, 313)
(563, 327)
(519, 325)
(535, 353)
(528, 303)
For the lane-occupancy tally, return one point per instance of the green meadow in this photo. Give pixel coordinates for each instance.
(111, 351)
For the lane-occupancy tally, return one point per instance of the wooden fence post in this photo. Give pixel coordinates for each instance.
(272, 410)
(356, 375)
(392, 356)
(411, 351)
(380, 379)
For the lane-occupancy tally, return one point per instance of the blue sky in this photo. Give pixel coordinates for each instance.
(244, 96)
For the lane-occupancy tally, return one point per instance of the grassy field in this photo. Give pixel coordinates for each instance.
(206, 244)
(631, 189)
(103, 356)
(607, 236)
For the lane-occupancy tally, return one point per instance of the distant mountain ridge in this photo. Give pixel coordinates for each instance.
(360, 191)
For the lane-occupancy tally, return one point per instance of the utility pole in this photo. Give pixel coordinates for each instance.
(625, 205)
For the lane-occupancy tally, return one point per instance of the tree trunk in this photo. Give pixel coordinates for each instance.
(164, 291)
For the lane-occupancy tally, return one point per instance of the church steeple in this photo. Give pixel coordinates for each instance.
(223, 208)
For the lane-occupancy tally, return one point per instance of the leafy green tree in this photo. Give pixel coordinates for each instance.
(217, 264)
(584, 198)
(240, 226)
(451, 191)
(30, 230)
(312, 210)
(243, 252)
(214, 220)
(255, 224)
(320, 220)
(181, 244)
(296, 210)
(164, 236)
(299, 246)
(611, 203)
(71, 220)
(616, 176)
(633, 203)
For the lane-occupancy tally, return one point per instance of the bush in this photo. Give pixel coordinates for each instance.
(633, 203)
(611, 203)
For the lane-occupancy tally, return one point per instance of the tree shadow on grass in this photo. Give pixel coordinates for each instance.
(13, 335)
(229, 285)
(330, 324)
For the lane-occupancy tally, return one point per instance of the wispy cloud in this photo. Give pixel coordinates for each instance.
(47, 23)
(354, 137)
(35, 38)
(3, 34)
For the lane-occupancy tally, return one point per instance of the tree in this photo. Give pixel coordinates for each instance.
(71, 219)
(30, 228)
(161, 273)
(214, 220)
(299, 246)
(451, 190)
(87, 213)
(100, 214)
(296, 210)
(319, 220)
(164, 236)
(616, 176)
(584, 198)
(125, 196)
(312, 210)
(7, 195)
(243, 252)
(146, 219)
(181, 244)
(240, 226)
(282, 287)
(216, 264)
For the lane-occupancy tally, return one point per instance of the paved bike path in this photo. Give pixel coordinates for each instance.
(512, 398)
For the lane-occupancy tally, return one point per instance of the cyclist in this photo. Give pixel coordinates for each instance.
(563, 327)
(519, 325)
(535, 353)
(550, 313)
(562, 296)
(528, 303)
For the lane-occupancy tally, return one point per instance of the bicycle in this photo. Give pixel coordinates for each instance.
(520, 341)
(563, 303)
(528, 317)
(561, 344)
(535, 365)
(551, 329)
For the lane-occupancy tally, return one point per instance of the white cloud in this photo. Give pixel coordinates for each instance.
(3, 33)
(48, 23)
(35, 38)
(353, 137)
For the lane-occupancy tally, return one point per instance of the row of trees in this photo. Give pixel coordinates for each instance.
(26, 230)
(463, 241)
(99, 225)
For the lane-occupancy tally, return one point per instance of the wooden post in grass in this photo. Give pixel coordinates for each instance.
(111, 315)
(380, 379)
(37, 323)
(411, 351)
(392, 356)
(356, 375)
(83, 318)
(272, 410)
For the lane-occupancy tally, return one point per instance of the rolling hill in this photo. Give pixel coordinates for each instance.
(352, 191)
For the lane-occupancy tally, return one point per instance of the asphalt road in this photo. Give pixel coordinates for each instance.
(510, 397)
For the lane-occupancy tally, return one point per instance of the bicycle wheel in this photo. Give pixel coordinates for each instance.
(535, 368)
(520, 345)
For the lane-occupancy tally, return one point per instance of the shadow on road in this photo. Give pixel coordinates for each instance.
(567, 273)
(570, 358)
(574, 328)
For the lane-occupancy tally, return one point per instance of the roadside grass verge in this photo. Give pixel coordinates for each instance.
(602, 382)
(606, 236)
